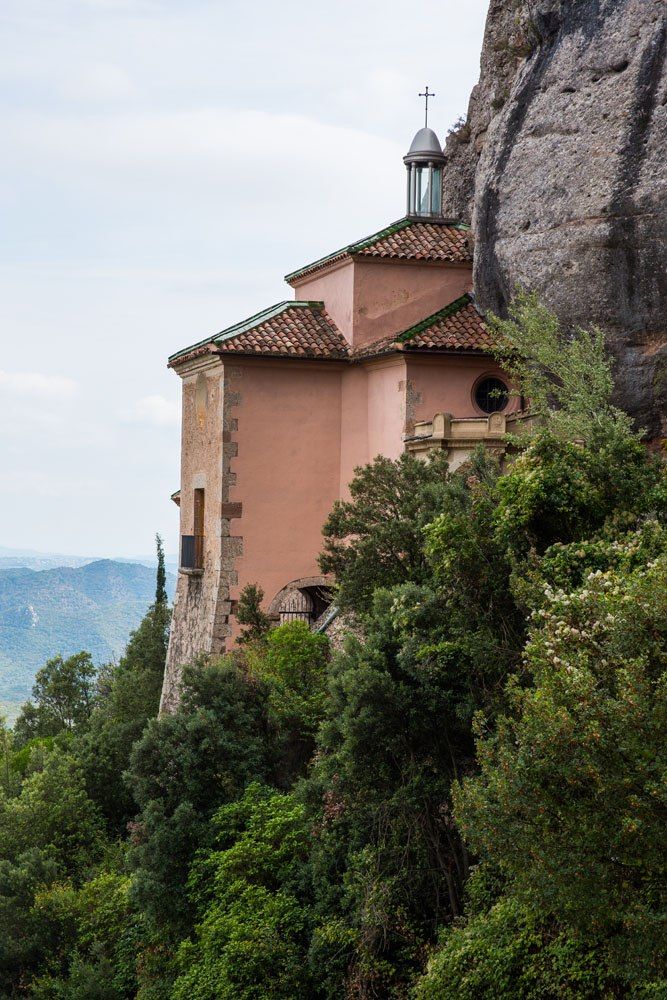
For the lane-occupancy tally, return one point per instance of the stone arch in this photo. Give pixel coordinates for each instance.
(297, 605)
(300, 598)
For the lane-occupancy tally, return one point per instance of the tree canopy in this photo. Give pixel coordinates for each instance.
(466, 800)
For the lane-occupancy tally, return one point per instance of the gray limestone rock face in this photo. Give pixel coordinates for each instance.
(562, 169)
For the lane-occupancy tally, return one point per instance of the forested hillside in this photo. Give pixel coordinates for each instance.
(66, 609)
(465, 803)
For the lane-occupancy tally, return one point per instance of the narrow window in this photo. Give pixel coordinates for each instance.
(192, 546)
(199, 512)
(199, 529)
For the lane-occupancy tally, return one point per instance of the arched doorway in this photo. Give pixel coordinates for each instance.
(305, 599)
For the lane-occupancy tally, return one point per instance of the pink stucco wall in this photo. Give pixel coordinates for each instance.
(370, 298)
(386, 407)
(390, 296)
(287, 468)
(334, 287)
(354, 423)
(445, 384)
(372, 414)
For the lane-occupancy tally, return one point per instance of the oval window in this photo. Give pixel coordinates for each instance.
(491, 395)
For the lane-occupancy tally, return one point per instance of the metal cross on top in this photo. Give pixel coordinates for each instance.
(426, 95)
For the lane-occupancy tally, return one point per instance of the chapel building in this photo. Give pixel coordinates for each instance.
(381, 350)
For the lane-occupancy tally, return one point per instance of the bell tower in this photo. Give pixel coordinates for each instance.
(424, 162)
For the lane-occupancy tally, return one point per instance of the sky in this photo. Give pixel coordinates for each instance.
(164, 163)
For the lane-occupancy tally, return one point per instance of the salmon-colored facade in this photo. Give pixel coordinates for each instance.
(278, 411)
(368, 300)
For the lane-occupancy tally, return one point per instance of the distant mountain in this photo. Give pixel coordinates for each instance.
(32, 559)
(170, 561)
(64, 610)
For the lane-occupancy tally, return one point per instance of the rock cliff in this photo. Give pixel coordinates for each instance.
(562, 168)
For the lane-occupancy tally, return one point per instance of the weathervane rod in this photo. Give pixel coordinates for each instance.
(426, 95)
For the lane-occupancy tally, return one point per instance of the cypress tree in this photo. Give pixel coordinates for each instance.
(161, 580)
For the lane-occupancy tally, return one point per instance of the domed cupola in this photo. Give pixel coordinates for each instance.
(424, 166)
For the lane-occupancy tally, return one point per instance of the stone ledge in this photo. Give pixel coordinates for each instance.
(190, 572)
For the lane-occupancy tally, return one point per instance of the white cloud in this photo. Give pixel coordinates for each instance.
(31, 482)
(393, 86)
(36, 384)
(237, 145)
(119, 6)
(154, 411)
(94, 82)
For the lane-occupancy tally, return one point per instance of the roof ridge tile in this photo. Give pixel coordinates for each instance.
(364, 246)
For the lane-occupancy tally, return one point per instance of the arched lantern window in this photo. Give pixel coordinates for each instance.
(424, 163)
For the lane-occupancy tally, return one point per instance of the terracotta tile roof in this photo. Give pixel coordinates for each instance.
(406, 239)
(422, 241)
(457, 327)
(300, 329)
(286, 330)
(304, 330)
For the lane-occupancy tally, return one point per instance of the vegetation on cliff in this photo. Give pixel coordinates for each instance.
(466, 802)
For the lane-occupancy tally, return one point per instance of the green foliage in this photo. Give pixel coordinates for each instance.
(129, 695)
(94, 937)
(249, 612)
(398, 728)
(52, 813)
(570, 798)
(63, 696)
(182, 769)
(49, 831)
(567, 377)
(8, 764)
(294, 665)
(251, 936)
(375, 538)
(508, 954)
(292, 662)
(22, 875)
(88, 980)
(18, 762)
(161, 575)
(68, 927)
(557, 491)
(482, 631)
(565, 565)
(396, 732)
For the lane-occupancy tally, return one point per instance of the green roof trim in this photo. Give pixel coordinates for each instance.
(351, 248)
(248, 324)
(424, 324)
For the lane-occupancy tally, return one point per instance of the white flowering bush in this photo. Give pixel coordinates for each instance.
(571, 796)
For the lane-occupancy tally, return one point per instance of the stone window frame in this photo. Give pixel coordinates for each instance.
(491, 374)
